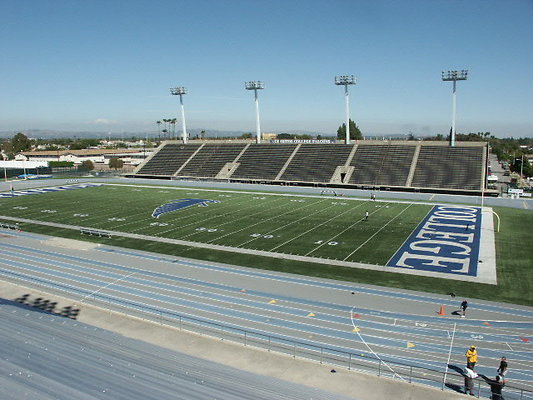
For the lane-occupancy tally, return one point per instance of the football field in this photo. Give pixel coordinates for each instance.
(315, 226)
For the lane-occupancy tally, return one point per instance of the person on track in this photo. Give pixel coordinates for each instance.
(502, 369)
(464, 306)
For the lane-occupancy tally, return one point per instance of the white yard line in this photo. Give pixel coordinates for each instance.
(309, 230)
(176, 219)
(293, 222)
(379, 230)
(196, 221)
(232, 221)
(260, 222)
(341, 232)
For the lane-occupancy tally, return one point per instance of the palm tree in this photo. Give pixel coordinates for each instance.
(159, 127)
(165, 120)
(173, 122)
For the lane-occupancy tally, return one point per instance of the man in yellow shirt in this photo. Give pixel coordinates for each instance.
(471, 357)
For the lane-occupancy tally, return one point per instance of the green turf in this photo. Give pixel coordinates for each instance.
(319, 227)
(322, 227)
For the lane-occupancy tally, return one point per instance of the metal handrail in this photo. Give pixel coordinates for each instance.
(416, 373)
(323, 353)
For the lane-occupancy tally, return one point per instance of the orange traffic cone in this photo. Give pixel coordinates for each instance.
(441, 311)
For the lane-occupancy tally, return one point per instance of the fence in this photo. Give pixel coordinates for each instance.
(295, 348)
(306, 349)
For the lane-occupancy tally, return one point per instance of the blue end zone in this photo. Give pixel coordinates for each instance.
(446, 241)
(180, 204)
(16, 193)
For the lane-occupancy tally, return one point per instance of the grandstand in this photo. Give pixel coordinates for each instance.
(392, 165)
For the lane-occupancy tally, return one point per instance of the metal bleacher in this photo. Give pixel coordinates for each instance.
(449, 167)
(263, 161)
(315, 163)
(398, 165)
(210, 159)
(168, 159)
(386, 165)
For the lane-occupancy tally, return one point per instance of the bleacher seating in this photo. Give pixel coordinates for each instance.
(168, 160)
(386, 165)
(316, 163)
(210, 159)
(367, 164)
(436, 166)
(263, 161)
(448, 167)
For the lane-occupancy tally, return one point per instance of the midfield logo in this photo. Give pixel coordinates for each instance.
(180, 204)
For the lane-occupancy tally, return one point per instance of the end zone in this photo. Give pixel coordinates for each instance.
(453, 242)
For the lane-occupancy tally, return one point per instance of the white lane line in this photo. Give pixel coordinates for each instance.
(201, 286)
(356, 329)
(109, 284)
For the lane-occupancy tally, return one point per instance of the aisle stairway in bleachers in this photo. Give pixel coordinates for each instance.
(315, 163)
(208, 162)
(367, 164)
(263, 161)
(168, 160)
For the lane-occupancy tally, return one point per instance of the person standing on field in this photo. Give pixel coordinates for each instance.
(471, 357)
(366, 215)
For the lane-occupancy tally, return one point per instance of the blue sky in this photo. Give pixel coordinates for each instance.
(108, 65)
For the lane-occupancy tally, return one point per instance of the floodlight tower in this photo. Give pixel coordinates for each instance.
(255, 86)
(180, 91)
(454, 76)
(346, 80)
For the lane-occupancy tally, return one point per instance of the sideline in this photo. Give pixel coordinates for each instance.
(282, 256)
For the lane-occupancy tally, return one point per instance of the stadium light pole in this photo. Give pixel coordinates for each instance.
(345, 80)
(180, 91)
(255, 86)
(454, 76)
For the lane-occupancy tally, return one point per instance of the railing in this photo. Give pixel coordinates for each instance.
(307, 350)
(294, 348)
